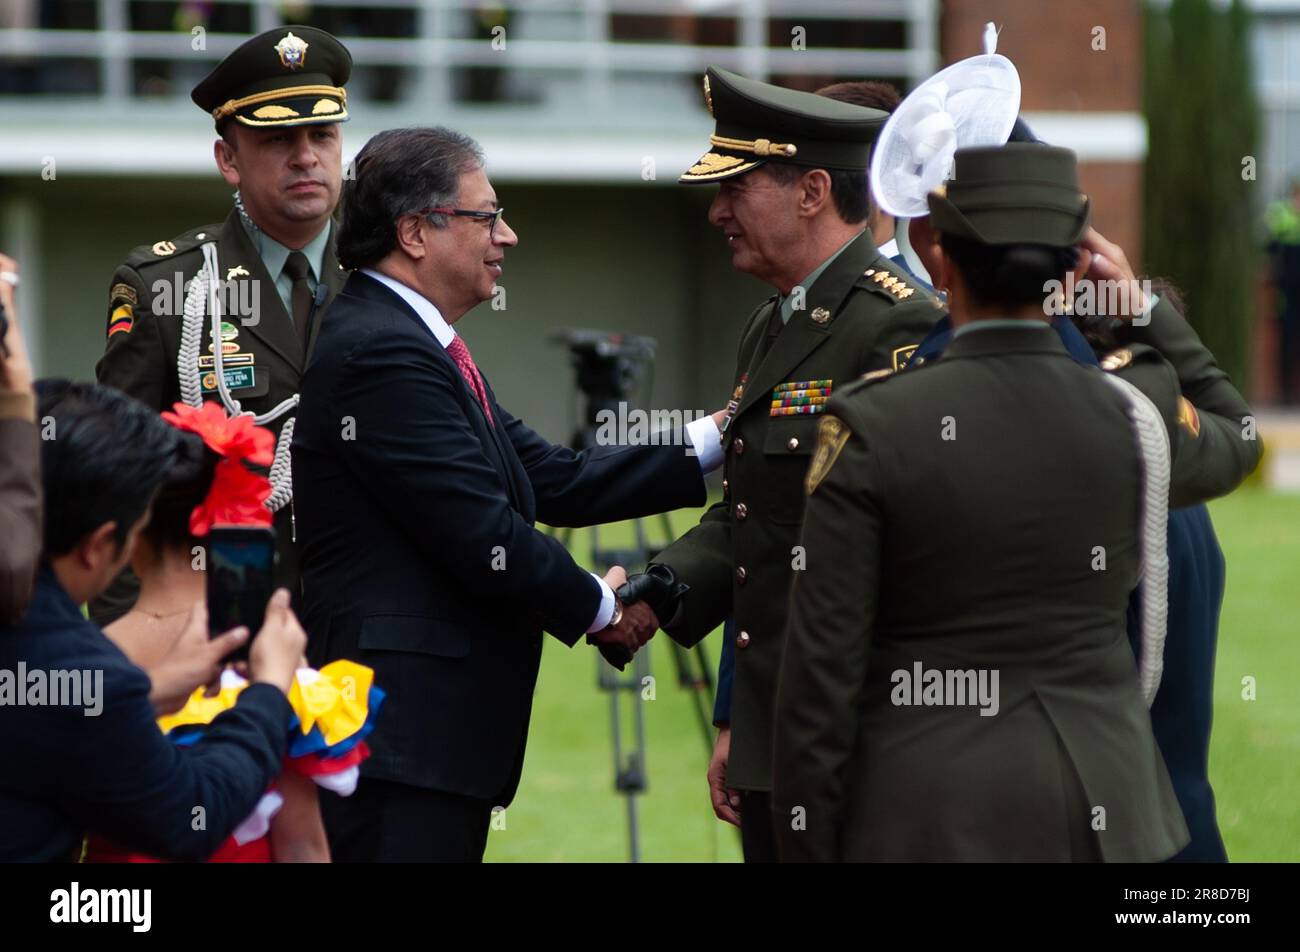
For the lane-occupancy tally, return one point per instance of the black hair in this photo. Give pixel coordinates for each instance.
(1008, 276)
(103, 457)
(396, 173)
(850, 190)
(185, 486)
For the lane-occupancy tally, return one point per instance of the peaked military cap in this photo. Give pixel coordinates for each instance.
(757, 122)
(1019, 193)
(289, 76)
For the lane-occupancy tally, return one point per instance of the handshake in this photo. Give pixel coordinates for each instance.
(644, 602)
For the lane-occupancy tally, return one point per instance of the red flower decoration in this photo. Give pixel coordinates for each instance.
(237, 498)
(234, 438)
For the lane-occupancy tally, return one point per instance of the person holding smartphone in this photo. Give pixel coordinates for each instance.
(209, 525)
(93, 758)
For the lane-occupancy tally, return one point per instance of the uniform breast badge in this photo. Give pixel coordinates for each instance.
(902, 355)
(798, 397)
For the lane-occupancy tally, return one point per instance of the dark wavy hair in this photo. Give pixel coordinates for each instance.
(396, 173)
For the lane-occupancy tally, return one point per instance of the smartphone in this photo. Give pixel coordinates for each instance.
(240, 566)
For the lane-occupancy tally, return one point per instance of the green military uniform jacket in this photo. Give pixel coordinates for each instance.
(960, 529)
(860, 315)
(1214, 443)
(144, 334)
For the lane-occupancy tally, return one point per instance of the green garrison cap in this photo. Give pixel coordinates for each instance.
(289, 76)
(1019, 193)
(757, 122)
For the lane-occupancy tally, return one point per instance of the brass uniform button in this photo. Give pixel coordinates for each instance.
(793, 444)
(742, 640)
(726, 488)
(742, 511)
(741, 575)
(740, 446)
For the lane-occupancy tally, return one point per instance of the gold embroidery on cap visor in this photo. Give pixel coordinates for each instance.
(280, 96)
(274, 112)
(713, 165)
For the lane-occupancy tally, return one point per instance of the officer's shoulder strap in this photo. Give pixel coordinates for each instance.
(145, 255)
(889, 281)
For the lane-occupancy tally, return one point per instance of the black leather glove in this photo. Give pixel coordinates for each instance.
(658, 587)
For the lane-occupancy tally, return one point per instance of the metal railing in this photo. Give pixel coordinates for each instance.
(547, 42)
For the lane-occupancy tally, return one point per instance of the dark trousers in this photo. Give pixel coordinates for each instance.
(387, 822)
(757, 839)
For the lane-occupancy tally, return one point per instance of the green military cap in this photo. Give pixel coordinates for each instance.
(289, 76)
(757, 122)
(1019, 193)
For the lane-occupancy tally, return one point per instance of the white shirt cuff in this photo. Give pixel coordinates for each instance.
(707, 440)
(606, 610)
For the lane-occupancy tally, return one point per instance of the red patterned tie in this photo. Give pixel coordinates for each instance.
(460, 354)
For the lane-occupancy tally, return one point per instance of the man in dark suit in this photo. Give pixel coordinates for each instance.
(998, 716)
(82, 749)
(416, 495)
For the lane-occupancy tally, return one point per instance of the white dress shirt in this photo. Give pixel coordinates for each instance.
(703, 433)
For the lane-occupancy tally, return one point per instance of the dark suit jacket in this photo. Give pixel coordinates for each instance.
(420, 558)
(970, 553)
(115, 773)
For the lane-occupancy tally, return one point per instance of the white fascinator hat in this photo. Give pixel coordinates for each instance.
(971, 103)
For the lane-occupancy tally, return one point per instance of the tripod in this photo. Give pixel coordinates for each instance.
(608, 367)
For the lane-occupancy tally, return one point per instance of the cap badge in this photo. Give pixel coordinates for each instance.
(293, 52)
(708, 94)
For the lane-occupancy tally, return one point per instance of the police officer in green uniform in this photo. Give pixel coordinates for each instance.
(228, 311)
(957, 683)
(792, 202)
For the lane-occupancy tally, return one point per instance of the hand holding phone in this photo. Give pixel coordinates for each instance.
(279, 645)
(240, 563)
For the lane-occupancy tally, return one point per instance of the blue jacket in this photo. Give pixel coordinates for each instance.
(114, 772)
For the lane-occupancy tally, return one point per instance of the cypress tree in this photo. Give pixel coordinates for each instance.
(1199, 193)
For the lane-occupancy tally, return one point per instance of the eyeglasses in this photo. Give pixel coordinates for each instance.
(494, 216)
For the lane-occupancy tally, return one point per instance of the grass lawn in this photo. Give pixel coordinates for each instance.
(567, 808)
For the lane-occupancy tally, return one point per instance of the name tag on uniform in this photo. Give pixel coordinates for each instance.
(237, 378)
